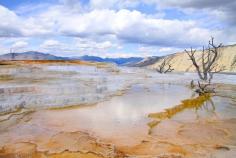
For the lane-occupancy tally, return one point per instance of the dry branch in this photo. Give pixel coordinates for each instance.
(165, 67)
(207, 66)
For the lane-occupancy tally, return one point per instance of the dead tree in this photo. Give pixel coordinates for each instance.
(165, 67)
(204, 88)
(12, 54)
(206, 65)
(234, 61)
(192, 84)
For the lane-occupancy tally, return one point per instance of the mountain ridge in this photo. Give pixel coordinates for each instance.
(31, 55)
(180, 61)
(119, 60)
(35, 55)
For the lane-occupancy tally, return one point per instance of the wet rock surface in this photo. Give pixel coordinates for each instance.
(72, 111)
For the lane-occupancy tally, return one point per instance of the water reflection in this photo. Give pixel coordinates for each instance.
(197, 103)
(208, 106)
(122, 116)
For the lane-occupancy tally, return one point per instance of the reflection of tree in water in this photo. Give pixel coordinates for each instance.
(198, 103)
(208, 107)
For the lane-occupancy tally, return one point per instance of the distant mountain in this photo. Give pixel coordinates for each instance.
(146, 61)
(31, 55)
(90, 58)
(119, 61)
(180, 61)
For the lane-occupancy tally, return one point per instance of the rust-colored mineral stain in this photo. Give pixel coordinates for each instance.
(74, 155)
(194, 103)
(61, 133)
(67, 62)
(26, 150)
(22, 150)
(178, 150)
(156, 149)
(62, 145)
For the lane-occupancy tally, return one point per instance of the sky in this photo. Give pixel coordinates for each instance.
(114, 28)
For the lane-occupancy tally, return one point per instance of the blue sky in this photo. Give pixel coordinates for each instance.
(112, 28)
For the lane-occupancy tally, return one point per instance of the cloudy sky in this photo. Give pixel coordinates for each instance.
(114, 27)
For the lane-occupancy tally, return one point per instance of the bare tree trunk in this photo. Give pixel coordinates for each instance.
(165, 67)
(207, 66)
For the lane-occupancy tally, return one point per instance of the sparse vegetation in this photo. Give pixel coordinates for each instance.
(165, 67)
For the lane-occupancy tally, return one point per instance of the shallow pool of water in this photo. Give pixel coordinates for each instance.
(119, 117)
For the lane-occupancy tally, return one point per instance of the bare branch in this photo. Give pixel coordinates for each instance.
(204, 88)
(192, 57)
(162, 68)
(207, 66)
(169, 69)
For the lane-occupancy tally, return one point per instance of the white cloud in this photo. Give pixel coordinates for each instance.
(102, 25)
(80, 46)
(14, 26)
(50, 43)
(55, 46)
(113, 4)
(20, 44)
(221, 9)
(92, 45)
(138, 28)
(9, 23)
(157, 51)
(3, 49)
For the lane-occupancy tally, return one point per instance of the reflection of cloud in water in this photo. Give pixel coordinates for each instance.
(124, 116)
